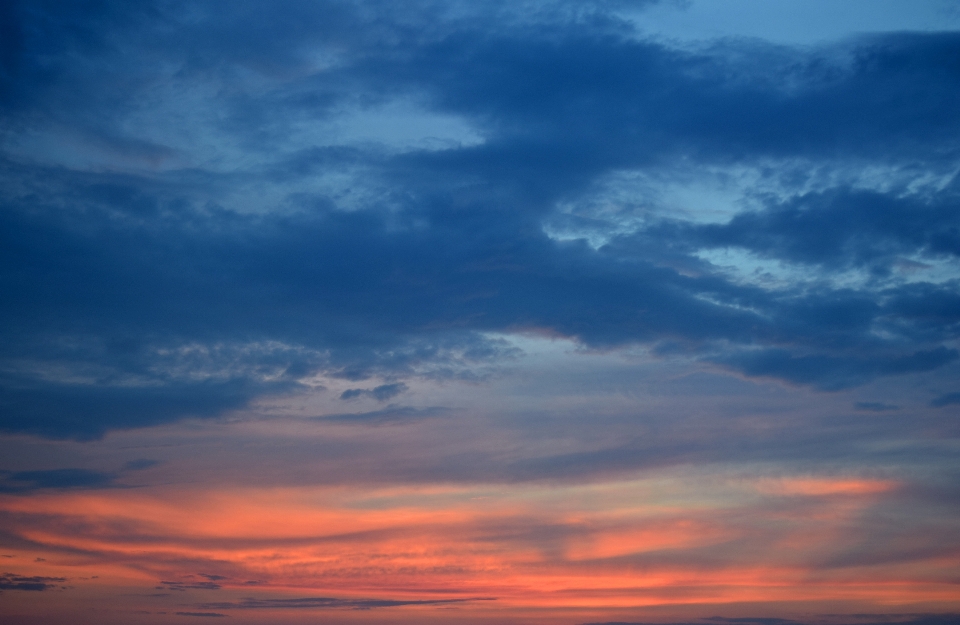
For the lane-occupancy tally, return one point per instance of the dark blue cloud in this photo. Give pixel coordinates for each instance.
(136, 293)
(834, 373)
(86, 411)
(390, 414)
(12, 581)
(69, 478)
(379, 393)
(875, 406)
(25, 481)
(188, 585)
(565, 106)
(329, 602)
(140, 464)
(946, 400)
(842, 228)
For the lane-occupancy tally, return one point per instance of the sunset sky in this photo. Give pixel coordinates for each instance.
(513, 312)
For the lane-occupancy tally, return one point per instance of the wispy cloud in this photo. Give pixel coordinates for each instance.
(380, 393)
(329, 602)
(391, 414)
(11, 581)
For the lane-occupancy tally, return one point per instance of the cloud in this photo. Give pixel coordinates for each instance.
(179, 243)
(330, 602)
(390, 414)
(12, 581)
(25, 481)
(188, 585)
(716, 619)
(832, 619)
(87, 411)
(68, 478)
(139, 464)
(834, 373)
(875, 406)
(946, 400)
(242, 212)
(751, 621)
(842, 228)
(379, 393)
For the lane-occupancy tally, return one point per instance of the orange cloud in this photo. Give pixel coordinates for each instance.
(581, 547)
(812, 486)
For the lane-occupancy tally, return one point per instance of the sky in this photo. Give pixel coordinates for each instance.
(529, 312)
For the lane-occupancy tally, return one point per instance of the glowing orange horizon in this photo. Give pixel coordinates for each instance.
(624, 549)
